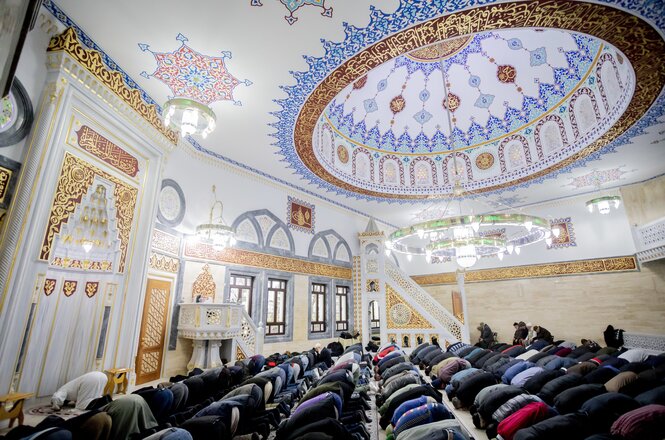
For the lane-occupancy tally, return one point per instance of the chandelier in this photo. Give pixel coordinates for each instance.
(189, 117)
(467, 238)
(216, 233)
(603, 205)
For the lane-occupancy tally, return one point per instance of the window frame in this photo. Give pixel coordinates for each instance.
(284, 322)
(318, 323)
(345, 301)
(252, 283)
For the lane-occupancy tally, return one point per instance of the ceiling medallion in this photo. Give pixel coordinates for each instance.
(302, 114)
(485, 161)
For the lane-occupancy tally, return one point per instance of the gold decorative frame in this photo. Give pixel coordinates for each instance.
(91, 60)
(76, 176)
(416, 320)
(638, 40)
(580, 267)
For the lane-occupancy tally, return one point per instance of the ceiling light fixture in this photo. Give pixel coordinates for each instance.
(216, 233)
(189, 117)
(604, 205)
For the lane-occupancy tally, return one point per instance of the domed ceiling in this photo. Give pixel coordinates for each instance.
(487, 109)
(379, 106)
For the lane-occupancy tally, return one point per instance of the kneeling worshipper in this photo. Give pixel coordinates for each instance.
(81, 391)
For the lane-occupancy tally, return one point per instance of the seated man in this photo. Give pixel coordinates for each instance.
(486, 338)
(82, 390)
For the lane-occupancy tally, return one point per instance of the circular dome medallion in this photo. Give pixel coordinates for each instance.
(400, 314)
(171, 206)
(538, 99)
(531, 97)
(484, 161)
(342, 154)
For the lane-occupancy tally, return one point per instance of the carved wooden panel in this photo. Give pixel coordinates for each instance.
(153, 331)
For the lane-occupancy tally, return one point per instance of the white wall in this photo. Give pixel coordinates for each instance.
(241, 191)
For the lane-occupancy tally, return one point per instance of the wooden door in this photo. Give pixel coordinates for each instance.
(153, 331)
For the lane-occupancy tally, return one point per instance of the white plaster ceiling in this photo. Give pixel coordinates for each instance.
(256, 52)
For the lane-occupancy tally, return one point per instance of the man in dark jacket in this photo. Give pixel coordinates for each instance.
(543, 334)
(486, 338)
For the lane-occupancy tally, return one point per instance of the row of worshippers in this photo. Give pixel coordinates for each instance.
(409, 407)
(191, 402)
(552, 390)
(250, 397)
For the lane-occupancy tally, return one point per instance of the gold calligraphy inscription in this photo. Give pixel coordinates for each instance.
(5, 176)
(97, 145)
(91, 60)
(638, 40)
(256, 259)
(76, 177)
(580, 267)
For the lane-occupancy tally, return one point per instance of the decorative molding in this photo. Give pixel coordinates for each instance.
(165, 242)
(400, 315)
(579, 267)
(243, 257)
(102, 148)
(76, 176)
(163, 263)
(9, 171)
(68, 42)
(74, 263)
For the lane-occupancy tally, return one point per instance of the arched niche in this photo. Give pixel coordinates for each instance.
(262, 230)
(330, 247)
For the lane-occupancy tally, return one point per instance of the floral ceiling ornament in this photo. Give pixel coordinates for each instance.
(598, 177)
(190, 74)
(294, 5)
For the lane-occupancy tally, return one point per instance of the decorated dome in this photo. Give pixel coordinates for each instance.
(490, 110)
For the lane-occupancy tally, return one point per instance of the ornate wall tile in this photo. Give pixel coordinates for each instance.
(165, 242)
(301, 215)
(566, 236)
